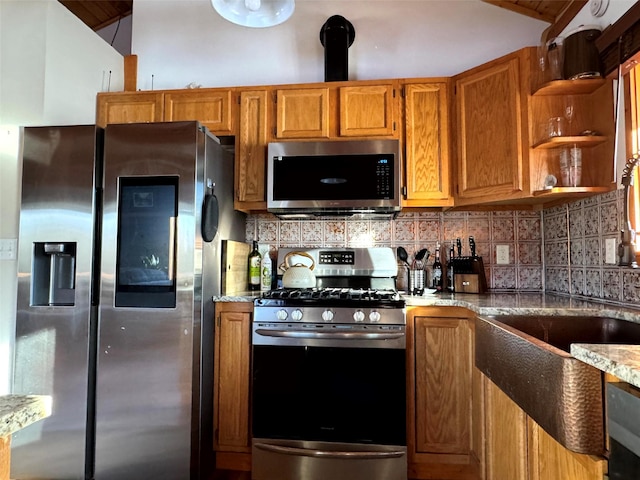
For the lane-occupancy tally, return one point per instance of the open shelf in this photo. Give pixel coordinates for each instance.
(579, 141)
(576, 192)
(570, 87)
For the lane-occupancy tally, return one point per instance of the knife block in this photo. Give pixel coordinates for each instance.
(468, 275)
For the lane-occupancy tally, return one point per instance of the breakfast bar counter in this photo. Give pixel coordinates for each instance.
(622, 361)
(17, 412)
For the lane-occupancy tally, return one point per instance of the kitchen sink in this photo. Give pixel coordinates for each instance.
(528, 357)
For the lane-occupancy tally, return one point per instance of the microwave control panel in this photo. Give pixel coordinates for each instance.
(384, 178)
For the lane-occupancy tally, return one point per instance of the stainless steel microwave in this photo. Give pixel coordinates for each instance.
(351, 177)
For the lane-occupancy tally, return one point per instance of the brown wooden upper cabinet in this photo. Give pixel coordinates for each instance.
(212, 107)
(427, 146)
(505, 156)
(327, 111)
(127, 107)
(492, 132)
(367, 111)
(251, 151)
(302, 113)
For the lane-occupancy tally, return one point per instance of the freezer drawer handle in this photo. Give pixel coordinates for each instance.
(304, 452)
(332, 336)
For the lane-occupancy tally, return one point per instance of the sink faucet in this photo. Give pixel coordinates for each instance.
(627, 245)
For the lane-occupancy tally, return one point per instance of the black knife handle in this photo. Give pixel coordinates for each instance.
(472, 247)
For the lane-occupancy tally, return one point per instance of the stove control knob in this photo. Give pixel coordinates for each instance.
(327, 315)
(282, 314)
(358, 316)
(296, 315)
(374, 316)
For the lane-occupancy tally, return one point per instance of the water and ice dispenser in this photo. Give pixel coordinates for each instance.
(54, 274)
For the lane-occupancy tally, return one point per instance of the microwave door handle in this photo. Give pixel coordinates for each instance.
(330, 335)
(306, 452)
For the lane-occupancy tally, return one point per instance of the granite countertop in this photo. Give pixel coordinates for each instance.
(499, 303)
(19, 411)
(622, 361)
(237, 297)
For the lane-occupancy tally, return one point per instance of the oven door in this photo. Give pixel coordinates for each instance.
(330, 410)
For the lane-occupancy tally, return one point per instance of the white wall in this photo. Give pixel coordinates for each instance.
(186, 41)
(51, 67)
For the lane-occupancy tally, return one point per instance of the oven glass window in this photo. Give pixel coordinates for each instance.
(334, 177)
(351, 395)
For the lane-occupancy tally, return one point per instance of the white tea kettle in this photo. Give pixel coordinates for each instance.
(298, 275)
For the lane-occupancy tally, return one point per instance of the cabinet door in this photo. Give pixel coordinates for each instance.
(302, 113)
(548, 460)
(251, 151)
(231, 378)
(427, 145)
(443, 385)
(129, 108)
(213, 108)
(506, 436)
(367, 111)
(491, 137)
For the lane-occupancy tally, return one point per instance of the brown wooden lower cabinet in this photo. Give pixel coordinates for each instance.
(439, 395)
(232, 373)
(517, 448)
(5, 457)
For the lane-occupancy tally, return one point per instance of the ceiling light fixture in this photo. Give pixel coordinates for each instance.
(254, 13)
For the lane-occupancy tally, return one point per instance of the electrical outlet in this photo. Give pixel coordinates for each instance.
(611, 251)
(8, 248)
(502, 254)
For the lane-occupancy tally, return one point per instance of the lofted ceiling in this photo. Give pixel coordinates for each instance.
(98, 14)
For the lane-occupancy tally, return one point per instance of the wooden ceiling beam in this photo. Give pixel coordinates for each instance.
(98, 14)
(565, 17)
(523, 8)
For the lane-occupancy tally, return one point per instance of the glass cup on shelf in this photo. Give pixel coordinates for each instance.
(555, 127)
(571, 166)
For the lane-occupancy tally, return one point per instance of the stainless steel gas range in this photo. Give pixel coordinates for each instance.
(328, 373)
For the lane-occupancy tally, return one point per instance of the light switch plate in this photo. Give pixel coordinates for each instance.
(8, 248)
(611, 251)
(502, 254)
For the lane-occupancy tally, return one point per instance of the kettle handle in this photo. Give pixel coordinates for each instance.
(285, 265)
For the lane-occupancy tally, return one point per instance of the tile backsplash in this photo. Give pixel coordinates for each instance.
(568, 258)
(574, 243)
(520, 230)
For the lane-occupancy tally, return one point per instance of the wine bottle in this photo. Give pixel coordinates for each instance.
(253, 268)
(450, 273)
(437, 270)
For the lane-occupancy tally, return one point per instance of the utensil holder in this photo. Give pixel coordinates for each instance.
(416, 281)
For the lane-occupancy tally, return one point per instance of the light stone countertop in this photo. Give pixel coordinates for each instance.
(19, 411)
(499, 303)
(623, 361)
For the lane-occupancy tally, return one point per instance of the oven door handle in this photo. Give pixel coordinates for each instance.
(305, 452)
(332, 336)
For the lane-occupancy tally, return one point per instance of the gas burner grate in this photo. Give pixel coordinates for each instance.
(362, 294)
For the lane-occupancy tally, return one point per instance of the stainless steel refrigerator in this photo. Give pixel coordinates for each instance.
(119, 257)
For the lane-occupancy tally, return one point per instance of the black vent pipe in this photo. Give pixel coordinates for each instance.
(336, 35)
